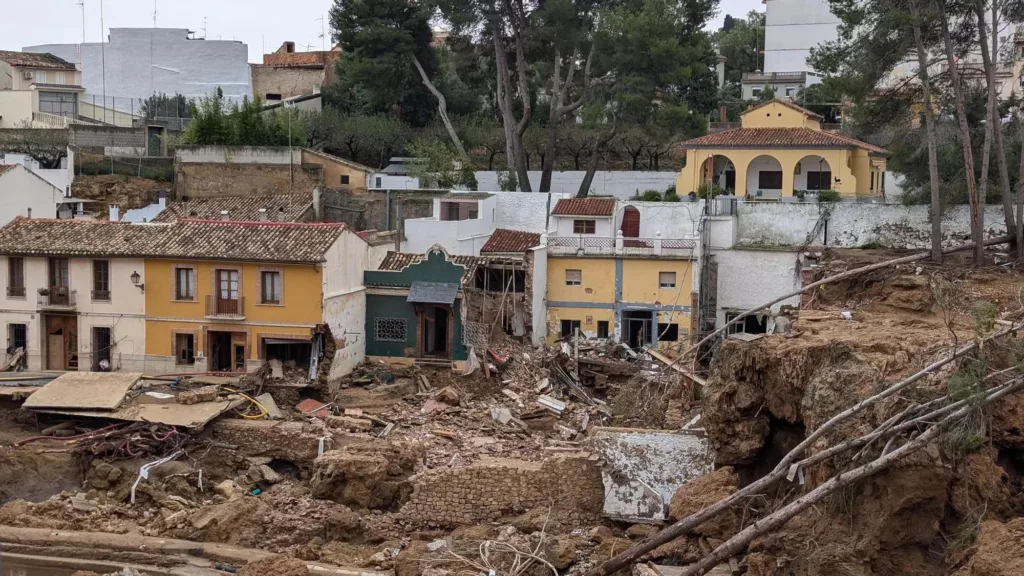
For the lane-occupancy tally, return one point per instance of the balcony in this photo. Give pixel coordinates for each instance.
(218, 309)
(620, 246)
(57, 298)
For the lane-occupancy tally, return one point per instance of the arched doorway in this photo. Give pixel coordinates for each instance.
(630, 227)
(812, 173)
(719, 170)
(764, 177)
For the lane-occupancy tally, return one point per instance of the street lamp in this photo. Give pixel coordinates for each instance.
(135, 278)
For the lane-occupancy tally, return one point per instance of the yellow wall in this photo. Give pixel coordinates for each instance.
(160, 335)
(640, 282)
(776, 115)
(588, 317)
(301, 291)
(598, 280)
(333, 171)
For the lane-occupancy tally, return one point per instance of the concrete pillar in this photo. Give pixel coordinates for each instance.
(657, 243)
(787, 177)
(618, 242)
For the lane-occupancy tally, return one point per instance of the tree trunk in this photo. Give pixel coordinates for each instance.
(559, 92)
(442, 110)
(965, 138)
(595, 158)
(1020, 189)
(996, 129)
(929, 121)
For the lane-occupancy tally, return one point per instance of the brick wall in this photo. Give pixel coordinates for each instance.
(285, 81)
(368, 211)
(212, 180)
(490, 490)
(104, 136)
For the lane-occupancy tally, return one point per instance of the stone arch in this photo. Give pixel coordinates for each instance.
(765, 177)
(630, 227)
(812, 173)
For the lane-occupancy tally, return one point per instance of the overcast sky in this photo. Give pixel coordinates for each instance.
(258, 23)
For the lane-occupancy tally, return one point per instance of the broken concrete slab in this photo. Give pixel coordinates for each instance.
(84, 391)
(273, 411)
(644, 468)
(194, 416)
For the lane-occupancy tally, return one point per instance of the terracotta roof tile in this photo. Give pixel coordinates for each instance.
(395, 261)
(280, 208)
(785, 103)
(340, 160)
(505, 241)
(585, 207)
(35, 60)
(778, 138)
(184, 239)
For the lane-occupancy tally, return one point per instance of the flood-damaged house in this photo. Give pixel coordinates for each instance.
(192, 295)
(436, 305)
(620, 270)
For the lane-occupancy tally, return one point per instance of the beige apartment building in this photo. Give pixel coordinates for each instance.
(38, 90)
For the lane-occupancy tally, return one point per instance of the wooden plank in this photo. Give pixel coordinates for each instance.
(84, 391)
(669, 362)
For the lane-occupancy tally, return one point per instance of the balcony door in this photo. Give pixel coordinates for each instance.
(227, 292)
(60, 280)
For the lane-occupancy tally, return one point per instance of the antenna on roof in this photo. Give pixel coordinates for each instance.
(81, 4)
(154, 13)
(204, 27)
(323, 32)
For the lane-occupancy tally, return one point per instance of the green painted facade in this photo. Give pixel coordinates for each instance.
(434, 268)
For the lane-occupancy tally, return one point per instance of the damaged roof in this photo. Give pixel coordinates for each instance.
(184, 239)
(35, 60)
(505, 241)
(396, 261)
(280, 208)
(584, 207)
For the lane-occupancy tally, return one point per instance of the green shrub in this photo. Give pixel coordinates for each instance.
(828, 196)
(650, 196)
(710, 190)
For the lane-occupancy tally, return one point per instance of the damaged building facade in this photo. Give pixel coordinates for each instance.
(612, 273)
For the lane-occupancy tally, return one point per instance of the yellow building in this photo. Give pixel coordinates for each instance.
(609, 275)
(781, 151)
(227, 295)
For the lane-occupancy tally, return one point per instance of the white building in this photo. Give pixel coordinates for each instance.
(38, 91)
(61, 177)
(140, 62)
(25, 193)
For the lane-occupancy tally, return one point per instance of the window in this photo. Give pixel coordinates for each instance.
(668, 332)
(101, 280)
(16, 277)
(882, 185)
(573, 277)
(344, 179)
(42, 77)
(569, 327)
(184, 349)
(872, 180)
(17, 337)
(790, 91)
(769, 180)
(584, 226)
(273, 97)
(755, 92)
(751, 324)
(377, 179)
(62, 78)
(59, 103)
(602, 328)
(101, 344)
(270, 287)
(819, 180)
(666, 279)
(184, 284)
(389, 329)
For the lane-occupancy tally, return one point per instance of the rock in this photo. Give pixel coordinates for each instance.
(228, 489)
(221, 522)
(448, 395)
(437, 545)
(704, 491)
(379, 558)
(501, 415)
(370, 476)
(207, 393)
(349, 423)
(560, 551)
(269, 475)
(345, 526)
(12, 510)
(412, 560)
(999, 550)
(431, 406)
(82, 504)
(187, 397)
(641, 531)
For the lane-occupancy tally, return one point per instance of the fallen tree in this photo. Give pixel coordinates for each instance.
(789, 465)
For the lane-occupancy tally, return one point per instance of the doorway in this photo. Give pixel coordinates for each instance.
(435, 331)
(61, 342)
(227, 351)
(636, 327)
(101, 344)
(154, 140)
(295, 352)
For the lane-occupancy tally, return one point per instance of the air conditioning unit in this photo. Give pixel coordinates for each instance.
(28, 75)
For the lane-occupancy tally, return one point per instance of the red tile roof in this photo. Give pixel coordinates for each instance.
(505, 241)
(585, 207)
(396, 261)
(35, 60)
(779, 138)
(279, 208)
(785, 103)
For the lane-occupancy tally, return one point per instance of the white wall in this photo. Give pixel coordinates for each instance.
(540, 291)
(812, 164)
(239, 155)
(853, 224)
(749, 278)
(672, 219)
(621, 184)
(389, 182)
(21, 190)
(59, 177)
(422, 233)
(142, 61)
(124, 314)
(603, 227)
(792, 28)
(345, 301)
(757, 165)
(15, 108)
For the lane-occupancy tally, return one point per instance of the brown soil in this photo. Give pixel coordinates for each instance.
(999, 550)
(124, 191)
(277, 565)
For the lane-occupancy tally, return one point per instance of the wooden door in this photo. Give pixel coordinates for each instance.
(227, 291)
(630, 222)
(55, 352)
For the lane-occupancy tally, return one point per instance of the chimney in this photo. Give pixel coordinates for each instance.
(30, 212)
(317, 199)
(263, 214)
(720, 68)
(224, 215)
(161, 200)
(115, 213)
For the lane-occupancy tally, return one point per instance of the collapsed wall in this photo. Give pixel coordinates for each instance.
(490, 490)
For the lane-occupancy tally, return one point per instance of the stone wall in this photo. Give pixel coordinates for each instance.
(285, 81)
(369, 211)
(490, 490)
(622, 184)
(212, 180)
